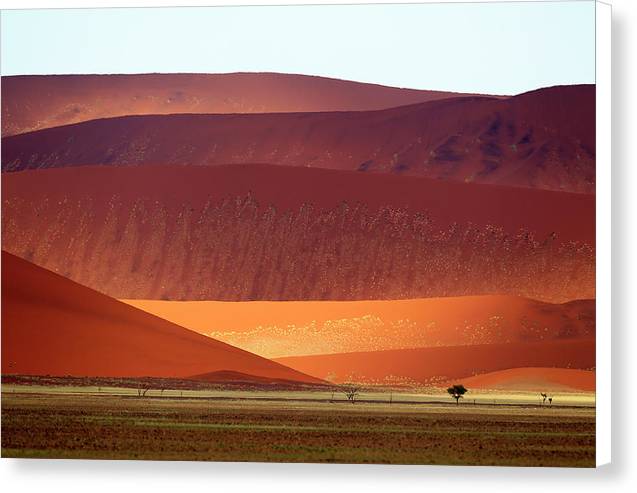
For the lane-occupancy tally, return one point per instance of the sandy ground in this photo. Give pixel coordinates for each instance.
(114, 425)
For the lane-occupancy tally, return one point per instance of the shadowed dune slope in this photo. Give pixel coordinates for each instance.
(235, 377)
(277, 329)
(542, 139)
(440, 364)
(538, 379)
(260, 232)
(33, 102)
(53, 326)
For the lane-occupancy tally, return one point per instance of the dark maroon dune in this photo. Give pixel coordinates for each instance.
(542, 139)
(34, 102)
(261, 232)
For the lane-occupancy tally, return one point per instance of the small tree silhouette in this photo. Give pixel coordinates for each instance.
(350, 390)
(457, 391)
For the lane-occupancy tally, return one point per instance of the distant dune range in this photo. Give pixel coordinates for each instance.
(538, 379)
(259, 232)
(34, 102)
(441, 364)
(277, 329)
(541, 139)
(53, 326)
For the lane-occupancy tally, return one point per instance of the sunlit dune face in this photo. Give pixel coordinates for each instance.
(276, 329)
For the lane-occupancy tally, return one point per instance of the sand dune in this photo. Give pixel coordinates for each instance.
(538, 379)
(441, 364)
(277, 329)
(53, 326)
(235, 377)
(33, 102)
(542, 139)
(259, 232)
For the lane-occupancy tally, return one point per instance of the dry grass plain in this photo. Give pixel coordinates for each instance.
(112, 423)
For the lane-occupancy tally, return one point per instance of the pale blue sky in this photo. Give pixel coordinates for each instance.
(497, 48)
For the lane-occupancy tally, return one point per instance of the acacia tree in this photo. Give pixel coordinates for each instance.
(457, 392)
(350, 390)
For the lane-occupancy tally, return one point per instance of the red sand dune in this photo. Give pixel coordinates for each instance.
(33, 102)
(440, 364)
(53, 326)
(259, 232)
(539, 379)
(570, 216)
(293, 328)
(542, 139)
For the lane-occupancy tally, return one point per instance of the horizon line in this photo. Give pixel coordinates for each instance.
(292, 74)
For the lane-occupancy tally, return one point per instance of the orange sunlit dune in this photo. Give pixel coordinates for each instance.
(281, 328)
(538, 379)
